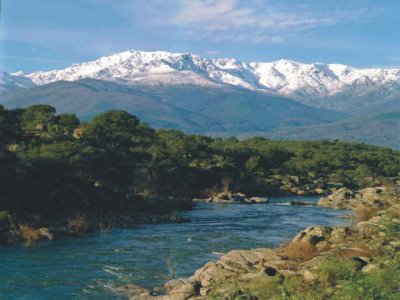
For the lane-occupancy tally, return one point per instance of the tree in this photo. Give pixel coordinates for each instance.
(114, 129)
(37, 118)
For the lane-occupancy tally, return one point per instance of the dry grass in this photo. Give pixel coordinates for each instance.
(365, 212)
(360, 251)
(225, 185)
(299, 251)
(395, 212)
(29, 234)
(78, 224)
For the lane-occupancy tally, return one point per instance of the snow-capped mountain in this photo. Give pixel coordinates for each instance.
(330, 86)
(10, 82)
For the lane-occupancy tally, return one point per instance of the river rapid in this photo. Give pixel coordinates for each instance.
(92, 266)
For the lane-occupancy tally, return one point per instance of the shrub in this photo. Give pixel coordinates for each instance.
(365, 212)
(360, 251)
(382, 284)
(392, 227)
(29, 234)
(332, 271)
(299, 251)
(78, 224)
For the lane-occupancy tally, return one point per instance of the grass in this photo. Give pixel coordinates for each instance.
(78, 224)
(298, 251)
(359, 251)
(334, 270)
(365, 212)
(29, 234)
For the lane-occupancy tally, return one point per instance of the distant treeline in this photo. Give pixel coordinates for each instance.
(54, 164)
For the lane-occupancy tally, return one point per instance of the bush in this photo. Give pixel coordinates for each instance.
(334, 270)
(365, 212)
(29, 234)
(382, 284)
(299, 251)
(78, 224)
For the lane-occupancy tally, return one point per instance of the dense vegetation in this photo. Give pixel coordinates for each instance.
(55, 165)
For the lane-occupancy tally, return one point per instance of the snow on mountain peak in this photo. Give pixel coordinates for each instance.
(286, 77)
(9, 82)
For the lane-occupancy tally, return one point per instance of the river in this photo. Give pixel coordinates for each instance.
(92, 266)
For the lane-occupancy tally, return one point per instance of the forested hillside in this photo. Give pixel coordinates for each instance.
(55, 165)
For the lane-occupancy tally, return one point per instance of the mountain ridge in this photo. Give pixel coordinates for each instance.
(221, 97)
(224, 111)
(328, 86)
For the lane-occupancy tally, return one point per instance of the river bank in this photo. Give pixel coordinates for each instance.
(93, 266)
(358, 261)
(28, 228)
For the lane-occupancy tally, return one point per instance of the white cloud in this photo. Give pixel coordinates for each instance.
(253, 21)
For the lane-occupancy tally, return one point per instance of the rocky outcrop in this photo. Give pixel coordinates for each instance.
(304, 257)
(233, 198)
(238, 265)
(340, 199)
(345, 198)
(134, 292)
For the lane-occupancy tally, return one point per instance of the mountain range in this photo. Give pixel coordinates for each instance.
(280, 99)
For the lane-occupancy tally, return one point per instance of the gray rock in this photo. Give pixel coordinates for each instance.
(259, 199)
(204, 291)
(133, 291)
(182, 292)
(309, 276)
(370, 268)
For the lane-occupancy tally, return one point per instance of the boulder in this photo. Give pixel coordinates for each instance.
(134, 292)
(175, 283)
(370, 268)
(368, 229)
(374, 193)
(45, 233)
(288, 273)
(319, 191)
(204, 291)
(236, 263)
(182, 292)
(295, 190)
(259, 199)
(309, 276)
(323, 246)
(340, 234)
(317, 261)
(340, 199)
(235, 198)
(313, 235)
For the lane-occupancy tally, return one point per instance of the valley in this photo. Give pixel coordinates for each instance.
(222, 97)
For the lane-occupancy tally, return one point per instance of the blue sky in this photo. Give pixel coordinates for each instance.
(53, 34)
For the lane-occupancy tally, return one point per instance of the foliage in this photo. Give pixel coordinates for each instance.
(299, 251)
(78, 224)
(55, 165)
(29, 234)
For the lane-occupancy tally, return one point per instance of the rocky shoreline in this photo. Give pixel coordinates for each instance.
(232, 198)
(366, 246)
(16, 231)
(29, 229)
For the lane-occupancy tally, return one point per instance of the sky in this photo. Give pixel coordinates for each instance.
(53, 34)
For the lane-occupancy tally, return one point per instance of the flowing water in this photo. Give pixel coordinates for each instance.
(92, 266)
